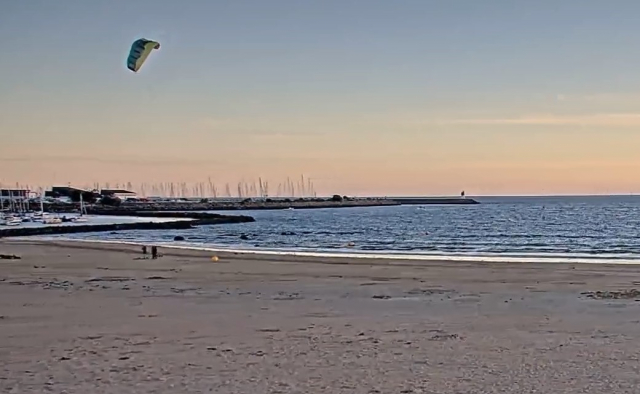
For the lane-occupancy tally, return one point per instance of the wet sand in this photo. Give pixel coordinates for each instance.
(95, 318)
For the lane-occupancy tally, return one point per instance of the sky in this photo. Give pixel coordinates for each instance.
(369, 97)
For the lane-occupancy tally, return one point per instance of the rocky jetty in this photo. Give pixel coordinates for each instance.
(434, 201)
(131, 208)
(199, 219)
(85, 228)
(139, 208)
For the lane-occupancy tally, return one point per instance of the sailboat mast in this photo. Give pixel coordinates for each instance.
(81, 205)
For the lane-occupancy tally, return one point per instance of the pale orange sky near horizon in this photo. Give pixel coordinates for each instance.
(380, 156)
(426, 98)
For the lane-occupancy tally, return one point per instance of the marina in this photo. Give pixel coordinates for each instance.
(17, 209)
(62, 205)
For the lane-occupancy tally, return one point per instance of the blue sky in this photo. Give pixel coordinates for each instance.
(361, 80)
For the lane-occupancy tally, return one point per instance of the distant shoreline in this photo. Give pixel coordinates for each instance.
(136, 208)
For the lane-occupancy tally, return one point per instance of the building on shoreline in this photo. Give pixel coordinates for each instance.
(119, 193)
(71, 193)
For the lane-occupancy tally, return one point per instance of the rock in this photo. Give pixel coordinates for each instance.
(269, 329)
(444, 337)
(283, 296)
(244, 237)
(109, 279)
(9, 257)
(258, 353)
(427, 292)
(178, 238)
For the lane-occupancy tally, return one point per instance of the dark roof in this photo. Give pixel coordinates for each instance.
(115, 191)
(69, 188)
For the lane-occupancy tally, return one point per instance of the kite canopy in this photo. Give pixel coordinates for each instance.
(139, 52)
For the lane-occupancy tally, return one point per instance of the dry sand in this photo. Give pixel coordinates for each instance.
(94, 318)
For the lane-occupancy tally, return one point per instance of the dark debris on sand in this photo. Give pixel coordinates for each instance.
(632, 294)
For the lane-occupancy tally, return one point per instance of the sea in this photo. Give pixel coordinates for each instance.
(580, 229)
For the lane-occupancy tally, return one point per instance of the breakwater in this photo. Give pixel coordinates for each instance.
(197, 219)
(138, 208)
(434, 200)
(152, 208)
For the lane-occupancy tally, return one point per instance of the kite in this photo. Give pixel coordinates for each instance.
(139, 52)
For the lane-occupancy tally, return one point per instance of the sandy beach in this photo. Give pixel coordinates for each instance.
(97, 318)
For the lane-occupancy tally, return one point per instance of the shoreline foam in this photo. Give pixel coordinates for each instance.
(390, 255)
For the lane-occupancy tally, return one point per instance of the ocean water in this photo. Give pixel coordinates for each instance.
(553, 229)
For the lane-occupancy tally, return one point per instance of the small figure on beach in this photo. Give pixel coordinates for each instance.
(154, 252)
(144, 251)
